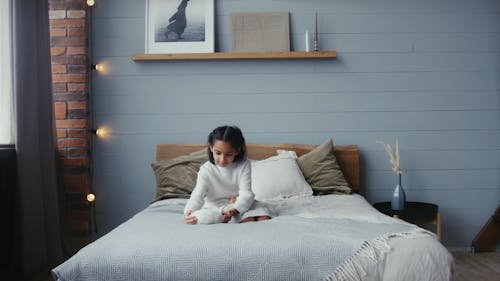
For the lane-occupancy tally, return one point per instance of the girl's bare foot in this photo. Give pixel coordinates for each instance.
(262, 218)
(248, 219)
(259, 218)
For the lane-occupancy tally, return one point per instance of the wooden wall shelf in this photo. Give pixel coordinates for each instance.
(237, 56)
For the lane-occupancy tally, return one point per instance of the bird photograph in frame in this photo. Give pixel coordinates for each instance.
(179, 26)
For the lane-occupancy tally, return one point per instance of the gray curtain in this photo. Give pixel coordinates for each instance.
(40, 228)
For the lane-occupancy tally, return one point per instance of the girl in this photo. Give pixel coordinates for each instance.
(225, 175)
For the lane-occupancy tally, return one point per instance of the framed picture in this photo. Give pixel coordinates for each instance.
(179, 26)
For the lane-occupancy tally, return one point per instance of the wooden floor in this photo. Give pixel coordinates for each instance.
(477, 267)
(469, 267)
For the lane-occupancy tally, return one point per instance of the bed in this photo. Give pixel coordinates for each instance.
(318, 234)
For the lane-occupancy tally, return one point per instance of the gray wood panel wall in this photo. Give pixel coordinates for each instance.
(424, 72)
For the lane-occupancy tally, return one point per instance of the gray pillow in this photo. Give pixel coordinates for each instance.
(176, 178)
(322, 171)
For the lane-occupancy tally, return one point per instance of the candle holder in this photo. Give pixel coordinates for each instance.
(316, 39)
(307, 48)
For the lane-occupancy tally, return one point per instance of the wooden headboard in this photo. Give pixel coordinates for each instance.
(347, 155)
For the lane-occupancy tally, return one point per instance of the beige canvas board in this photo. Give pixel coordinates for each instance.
(260, 32)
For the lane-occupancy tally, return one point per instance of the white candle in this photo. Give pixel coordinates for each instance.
(307, 41)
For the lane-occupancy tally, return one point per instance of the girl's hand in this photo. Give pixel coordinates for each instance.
(226, 216)
(190, 219)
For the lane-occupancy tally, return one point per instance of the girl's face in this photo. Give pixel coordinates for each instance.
(223, 153)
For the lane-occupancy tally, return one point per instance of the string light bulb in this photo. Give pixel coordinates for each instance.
(103, 132)
(100, 132)
(98, 67)
(90, 3)
(90, 197)
(103, 67)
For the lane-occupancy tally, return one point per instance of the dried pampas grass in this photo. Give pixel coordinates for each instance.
(393, 155)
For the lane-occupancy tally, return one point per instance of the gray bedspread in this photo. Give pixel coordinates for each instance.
(156, 245)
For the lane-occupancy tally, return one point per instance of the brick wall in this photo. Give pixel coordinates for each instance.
(68, 40)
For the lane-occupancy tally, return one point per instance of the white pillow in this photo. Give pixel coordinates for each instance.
(278, 177)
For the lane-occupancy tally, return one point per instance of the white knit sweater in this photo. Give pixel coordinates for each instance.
(215, 185)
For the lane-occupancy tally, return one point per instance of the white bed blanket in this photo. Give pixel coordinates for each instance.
(410, 259)
(364, 245)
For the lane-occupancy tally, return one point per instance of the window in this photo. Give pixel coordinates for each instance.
(6, 101)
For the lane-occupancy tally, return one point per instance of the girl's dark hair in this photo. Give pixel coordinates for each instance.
(231, 134)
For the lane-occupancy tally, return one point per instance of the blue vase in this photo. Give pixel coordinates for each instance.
(398, 197)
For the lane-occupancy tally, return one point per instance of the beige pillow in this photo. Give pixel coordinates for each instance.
(322, 172)
(176, 178)
(278, 177)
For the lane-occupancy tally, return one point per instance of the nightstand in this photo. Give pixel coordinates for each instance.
(418, 213)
